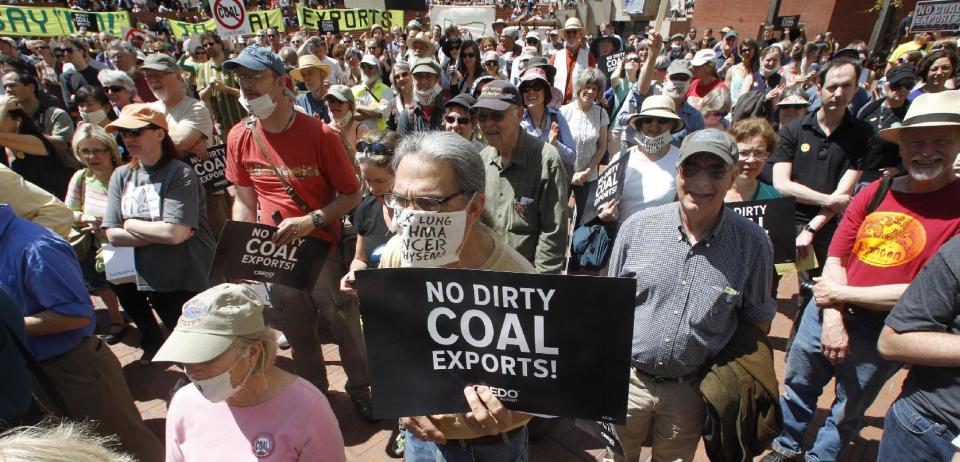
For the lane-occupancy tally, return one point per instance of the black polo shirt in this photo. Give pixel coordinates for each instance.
(819, 161)
(882, 153)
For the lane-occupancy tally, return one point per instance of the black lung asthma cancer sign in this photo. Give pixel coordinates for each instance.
(547, 344)
(247, 251)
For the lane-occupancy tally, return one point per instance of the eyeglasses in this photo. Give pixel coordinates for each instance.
(483, 116)
(468, 55)
(758, 154)
(92, 152)
(491, 63)
(135, 132)
(114, 89)
(659, 120)
(539, 86)
(460, 120)
(427, 204)
(249, 77)
(372, 148)
(715, 172)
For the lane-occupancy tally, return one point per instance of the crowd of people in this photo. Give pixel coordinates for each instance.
(346, 139)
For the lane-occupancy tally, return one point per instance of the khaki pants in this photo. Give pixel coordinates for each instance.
(302, 313)
(674, 411)
(90, 380)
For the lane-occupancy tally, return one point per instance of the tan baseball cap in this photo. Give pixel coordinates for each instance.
(210, 322)
(140, 115)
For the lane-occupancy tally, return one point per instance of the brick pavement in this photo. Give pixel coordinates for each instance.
(151, 387)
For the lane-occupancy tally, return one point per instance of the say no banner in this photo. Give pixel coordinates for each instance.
(231, 18)
(547, 344)
(246, 251)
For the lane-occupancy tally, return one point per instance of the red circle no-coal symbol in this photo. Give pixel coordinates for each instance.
(231, 15)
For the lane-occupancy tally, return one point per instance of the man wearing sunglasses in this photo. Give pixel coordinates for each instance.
(312, 160)
(124, 58)
(217, 88)
(83, 71)
(701, 270)
(526, 186)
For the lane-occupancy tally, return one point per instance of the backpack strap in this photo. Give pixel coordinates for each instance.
(877, 198)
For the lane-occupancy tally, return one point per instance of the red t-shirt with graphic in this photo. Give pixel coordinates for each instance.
(311, 158)
(891, 244)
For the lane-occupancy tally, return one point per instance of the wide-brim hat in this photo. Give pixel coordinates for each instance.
(659, 106)
(312, 62)
(573, 24)
(134, 116)
(928, 110)
(422, 38)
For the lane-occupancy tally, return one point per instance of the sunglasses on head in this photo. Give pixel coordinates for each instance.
(372, 148)
(460, 120)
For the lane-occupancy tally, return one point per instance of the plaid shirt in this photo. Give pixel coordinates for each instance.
(691, 297)
(414, 120)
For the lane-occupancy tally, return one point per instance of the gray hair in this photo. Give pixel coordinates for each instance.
(590, 76)
(121, 46)
(662, 63)
(309, 47)
(717, 99)
(468, 171)
(108, 77)
(58, 442)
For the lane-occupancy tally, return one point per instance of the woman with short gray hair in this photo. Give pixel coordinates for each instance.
(589, 124)
(119, 87)
(441, 173)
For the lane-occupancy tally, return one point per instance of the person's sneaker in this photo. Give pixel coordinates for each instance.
(365, 408)
(775, 456)
(283, 343)
(396, 443)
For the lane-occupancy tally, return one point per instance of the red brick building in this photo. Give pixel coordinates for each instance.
(846, 19)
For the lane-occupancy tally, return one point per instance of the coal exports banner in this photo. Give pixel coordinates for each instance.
(55, 22)
(547, 344)
(348, 20)
(212, 171)
(258, 20)
(246, 251)
(609, 187)
(936, 15)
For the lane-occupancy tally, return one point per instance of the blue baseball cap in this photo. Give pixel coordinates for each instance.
(256, 58)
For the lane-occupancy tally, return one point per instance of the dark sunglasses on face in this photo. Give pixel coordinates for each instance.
(633, 60)
(659, 120)
(491, 63)
(134, 132)
(907, 85)
(494, 116)
(468, 55)
(715, 172)
(460, 120)
(372, 148)
(113, 89)
(539, 86)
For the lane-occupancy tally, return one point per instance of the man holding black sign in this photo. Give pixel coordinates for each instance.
(700, 271)
(281, 141)
(439, 190)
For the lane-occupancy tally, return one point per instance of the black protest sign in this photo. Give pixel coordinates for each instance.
(329, 25)
(85, 21)
(246, 251)
(212, 171)
(936, 15)
(547, 344)
(609, 187)
(775, 216)
(783, 22)
(612, 62)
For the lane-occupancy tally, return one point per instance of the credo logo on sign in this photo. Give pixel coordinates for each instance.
(510, 396)
(231, 18)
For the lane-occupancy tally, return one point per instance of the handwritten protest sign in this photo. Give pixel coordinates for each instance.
(213, 171)
(549, 344)
(246, 251)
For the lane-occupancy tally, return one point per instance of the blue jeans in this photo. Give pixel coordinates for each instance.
(859, 380)
(907, 435)
(417, 450)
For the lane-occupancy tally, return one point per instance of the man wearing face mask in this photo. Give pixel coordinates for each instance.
(311, 159)
(374, 98)
(526, 180)
(439, 175)
(427, 114)
(190, 122)
(675, 86)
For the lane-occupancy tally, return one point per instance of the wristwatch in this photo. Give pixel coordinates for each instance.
(318, 219)
(806, 227)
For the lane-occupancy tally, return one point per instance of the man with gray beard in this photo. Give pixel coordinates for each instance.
(427, 115)
(374, 98)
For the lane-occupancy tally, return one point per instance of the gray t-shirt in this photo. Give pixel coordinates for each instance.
(171, 193)
(932, 304)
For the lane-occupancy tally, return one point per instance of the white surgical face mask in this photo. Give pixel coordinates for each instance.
(674, 46)
(676, 88)
(655, 144)
(94, 117)
(426, 98)
(218, 388)
(430, 239)
(261, 107)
